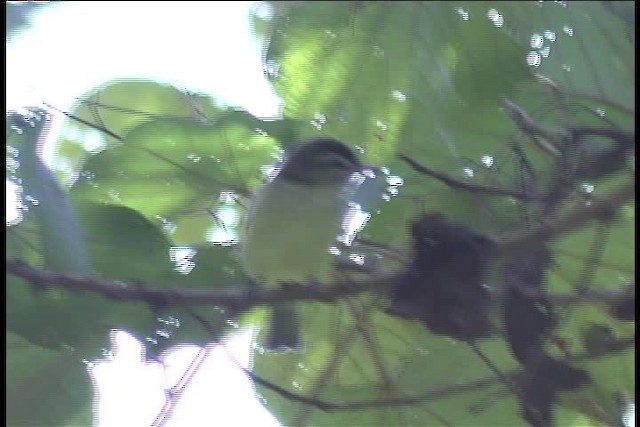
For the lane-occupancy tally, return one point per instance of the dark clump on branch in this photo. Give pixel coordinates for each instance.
(600, 340)
(540, 386)
(625, 309)
(443, 286)
(528, 319)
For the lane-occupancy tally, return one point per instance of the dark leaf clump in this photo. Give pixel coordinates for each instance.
(443, 286)
(529, 319)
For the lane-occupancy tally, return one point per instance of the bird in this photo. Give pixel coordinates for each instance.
(292, 221)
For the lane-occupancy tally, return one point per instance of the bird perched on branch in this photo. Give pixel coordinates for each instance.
(292, 222)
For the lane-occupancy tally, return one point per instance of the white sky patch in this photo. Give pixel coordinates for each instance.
(74, 47)
(132, 390)
(13, 214)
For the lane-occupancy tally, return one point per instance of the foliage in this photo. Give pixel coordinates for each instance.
(425, 80)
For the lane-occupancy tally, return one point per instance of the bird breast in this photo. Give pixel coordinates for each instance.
(290, 231)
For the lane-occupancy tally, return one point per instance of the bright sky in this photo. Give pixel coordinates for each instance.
(205, 47)
(201, 46)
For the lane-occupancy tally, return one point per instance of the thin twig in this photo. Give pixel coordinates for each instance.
(461, 185)
(545, 139)
(557, 225)
(624, 138)
(437, 393)
(86, 122)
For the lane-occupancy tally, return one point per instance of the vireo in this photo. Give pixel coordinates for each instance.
(292, 222)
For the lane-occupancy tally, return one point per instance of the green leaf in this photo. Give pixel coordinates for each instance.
(117, 107)
(123, 244)
(62, 241)
(185, 162)
(48, 318)
(45, 387)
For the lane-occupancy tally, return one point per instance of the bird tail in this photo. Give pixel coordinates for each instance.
(284, 330)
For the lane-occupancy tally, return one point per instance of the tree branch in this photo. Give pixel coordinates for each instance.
(436, 393)
(461, 185)
(624, 138)
(235, 297)
(241, 298)
(557, 225)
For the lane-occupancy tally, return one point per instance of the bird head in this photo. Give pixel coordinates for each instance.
(320, 161)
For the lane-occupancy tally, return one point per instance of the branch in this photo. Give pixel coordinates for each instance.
(240, 298)
(461, 185)
(624, 138)
(431, 395)
(234, 297)
(437, 393)
(558, 225)
(541, 136)
(87, 123)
